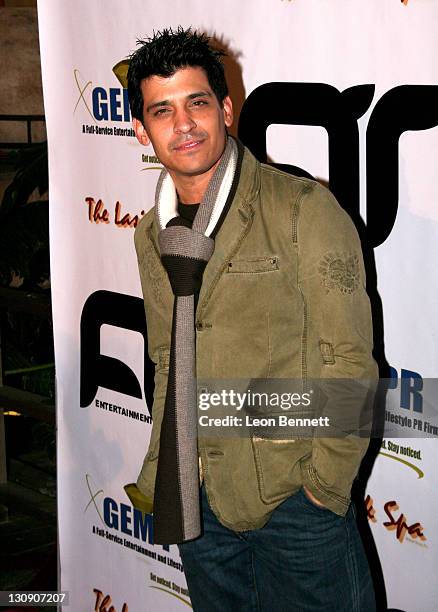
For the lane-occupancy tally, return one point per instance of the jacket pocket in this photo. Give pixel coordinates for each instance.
(251, 266)
(277, 467)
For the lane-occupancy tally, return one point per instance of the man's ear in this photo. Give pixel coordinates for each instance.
(228, 111)
(140, 132)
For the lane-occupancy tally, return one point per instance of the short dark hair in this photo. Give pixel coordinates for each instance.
(167, 51)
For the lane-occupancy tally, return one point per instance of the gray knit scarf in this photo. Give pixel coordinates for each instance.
(184, 253)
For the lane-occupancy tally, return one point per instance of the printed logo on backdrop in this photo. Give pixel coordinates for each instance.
(115, 214)
(116, 520)
(97, 370)
(107, 105)
(103, 603)
(410, 413)
(395, 522)
(402, 108)
(409, 385)
(104, 106)
(403, 454)
(121, 524)
(169, 587)
(399, 524)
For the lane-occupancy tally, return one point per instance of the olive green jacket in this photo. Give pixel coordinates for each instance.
(283, 296)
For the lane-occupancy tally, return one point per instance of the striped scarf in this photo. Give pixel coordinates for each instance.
(184, 253)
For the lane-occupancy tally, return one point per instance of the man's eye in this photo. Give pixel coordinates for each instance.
(161, 111)
(199, 102)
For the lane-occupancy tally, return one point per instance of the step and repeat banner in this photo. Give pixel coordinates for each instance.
(347, 91)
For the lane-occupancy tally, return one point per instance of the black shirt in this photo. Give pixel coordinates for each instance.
(188, 211)
(187, 214)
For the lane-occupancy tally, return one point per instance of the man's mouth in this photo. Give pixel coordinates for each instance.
(188, 146)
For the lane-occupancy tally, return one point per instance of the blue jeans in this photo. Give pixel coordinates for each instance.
(305, 559)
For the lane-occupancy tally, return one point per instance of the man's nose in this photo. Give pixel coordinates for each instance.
(184, 122)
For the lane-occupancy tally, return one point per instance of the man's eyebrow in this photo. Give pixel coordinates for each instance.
(192, 96)
(199, 94)
(157, 104)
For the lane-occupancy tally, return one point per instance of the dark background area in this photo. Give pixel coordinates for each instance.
(28, 526)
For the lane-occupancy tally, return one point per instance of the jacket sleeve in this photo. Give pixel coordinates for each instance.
(154, 285)
(337, 342)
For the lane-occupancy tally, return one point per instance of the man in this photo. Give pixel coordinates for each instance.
(247, 273)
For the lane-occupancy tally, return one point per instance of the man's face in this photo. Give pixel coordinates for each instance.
(184, 121)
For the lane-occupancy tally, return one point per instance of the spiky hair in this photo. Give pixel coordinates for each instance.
(167, 51)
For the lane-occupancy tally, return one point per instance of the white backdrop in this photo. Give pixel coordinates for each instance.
(105, 549)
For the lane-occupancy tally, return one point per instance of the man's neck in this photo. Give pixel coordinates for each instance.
(191, 189)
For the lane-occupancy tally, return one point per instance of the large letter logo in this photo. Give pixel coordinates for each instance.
(403, 108)
(98, 370)
(312, 104)
(408, 107)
